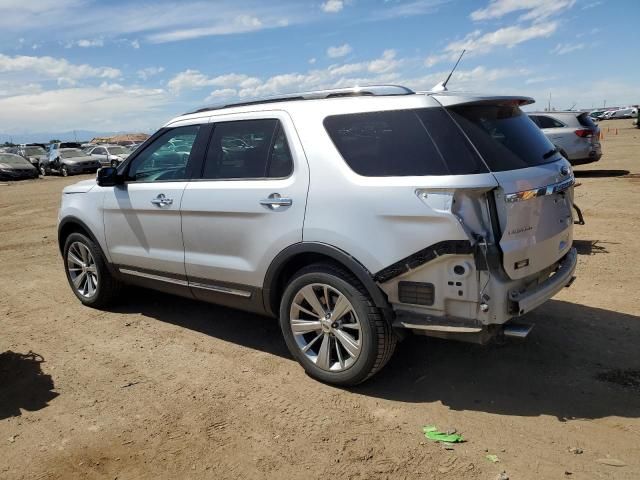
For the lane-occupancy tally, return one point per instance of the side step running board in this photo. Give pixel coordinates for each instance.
(413, 321)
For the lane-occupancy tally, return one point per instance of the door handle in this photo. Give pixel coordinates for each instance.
(162, 201)
(275, 201)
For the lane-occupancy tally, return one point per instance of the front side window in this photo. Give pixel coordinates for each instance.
(403, 143)
(166, 158)
(248, 149)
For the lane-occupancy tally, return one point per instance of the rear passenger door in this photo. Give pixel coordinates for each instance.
(248, 205)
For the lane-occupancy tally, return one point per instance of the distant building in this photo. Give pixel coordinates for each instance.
(122, 139)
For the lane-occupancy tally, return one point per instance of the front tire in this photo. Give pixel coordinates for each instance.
(87, 272)
(43, 170)
(332, 327)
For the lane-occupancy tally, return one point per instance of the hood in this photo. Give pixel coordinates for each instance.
(73, 160)
(81, 187)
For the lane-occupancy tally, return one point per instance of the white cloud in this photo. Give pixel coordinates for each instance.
(194, 79)
(106, 107)
(54, 68)
(535, 9)
(239, 24)
(85, 43)
(385, 63)
(146, 73)
(406, 9)
(157, 22)
(221, 94)
(312, 60)
(340, 51)
(478, 43)
(332, 6)
(564, 48)
(8, 89)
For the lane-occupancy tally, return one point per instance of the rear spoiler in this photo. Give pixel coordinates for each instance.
(451, 99)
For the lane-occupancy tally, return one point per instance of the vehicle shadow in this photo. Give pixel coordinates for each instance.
(213, 320)
(579, 362)
(600, 173)
(590, 247)
(557, 371)
(23, 385)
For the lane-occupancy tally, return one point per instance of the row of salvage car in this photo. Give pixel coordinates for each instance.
(31, 160)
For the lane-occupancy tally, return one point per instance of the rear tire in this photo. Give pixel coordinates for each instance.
(43, 170)
(87, 272)
(340, 335)
(64, 171)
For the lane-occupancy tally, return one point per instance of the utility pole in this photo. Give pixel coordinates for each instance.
(549, 104)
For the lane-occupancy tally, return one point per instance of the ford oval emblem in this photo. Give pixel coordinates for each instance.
(564, 170)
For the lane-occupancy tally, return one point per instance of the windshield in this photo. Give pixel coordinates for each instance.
(118, 151)
(13, 160)
(32, 151)
(72, 152)
(506, 138)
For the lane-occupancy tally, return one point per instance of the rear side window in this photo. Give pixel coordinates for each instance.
(505, 137)
(548, 122)
(248, 149)
(403, 143)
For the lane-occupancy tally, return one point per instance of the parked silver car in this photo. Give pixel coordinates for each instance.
(574, 134)
(353, 215)
(69, 161)
(109, 155)
(34, 153)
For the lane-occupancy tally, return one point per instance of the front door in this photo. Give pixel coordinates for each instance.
(142, 217)
(248, 206)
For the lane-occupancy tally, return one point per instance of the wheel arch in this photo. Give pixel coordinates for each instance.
(296, 256)
(70, 225)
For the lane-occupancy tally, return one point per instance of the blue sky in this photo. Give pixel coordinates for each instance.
(118, 65)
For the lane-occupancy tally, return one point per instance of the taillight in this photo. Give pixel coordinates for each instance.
(585, 133)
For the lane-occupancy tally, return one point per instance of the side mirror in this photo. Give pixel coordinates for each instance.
(108, 177)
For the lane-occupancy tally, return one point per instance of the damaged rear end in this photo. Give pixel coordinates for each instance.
(510, 197)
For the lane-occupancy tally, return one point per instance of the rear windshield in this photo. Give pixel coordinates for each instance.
(403, 143)
(72, 153)
(505, 137)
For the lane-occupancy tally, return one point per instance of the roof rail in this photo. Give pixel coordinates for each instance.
(369, 90)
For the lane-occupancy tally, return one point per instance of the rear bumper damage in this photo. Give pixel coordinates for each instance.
(523, 301)
(476, 306)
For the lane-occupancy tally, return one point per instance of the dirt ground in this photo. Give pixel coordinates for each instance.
(163, 387)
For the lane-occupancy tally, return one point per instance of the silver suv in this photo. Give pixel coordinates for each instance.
(353, 215)
(574, 134)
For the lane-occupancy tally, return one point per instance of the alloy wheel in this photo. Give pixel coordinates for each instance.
(326, 327)
(82, 269)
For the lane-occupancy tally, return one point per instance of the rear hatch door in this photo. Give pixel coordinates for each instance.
(535, 194)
